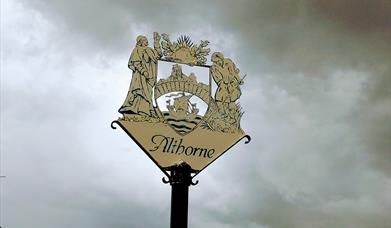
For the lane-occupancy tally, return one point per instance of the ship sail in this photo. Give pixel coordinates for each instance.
(181, 104)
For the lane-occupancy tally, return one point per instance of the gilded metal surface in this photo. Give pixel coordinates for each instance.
(164, 115)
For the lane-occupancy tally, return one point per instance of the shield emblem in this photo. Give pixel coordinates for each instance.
(182, 95)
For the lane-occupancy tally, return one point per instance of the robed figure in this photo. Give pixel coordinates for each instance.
(143, 62)
(226, 76)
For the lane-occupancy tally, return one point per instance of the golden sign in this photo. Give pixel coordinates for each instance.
(181, 116)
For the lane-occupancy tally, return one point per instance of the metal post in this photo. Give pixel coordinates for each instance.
(180, 180)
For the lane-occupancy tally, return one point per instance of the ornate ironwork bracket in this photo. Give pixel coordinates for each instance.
(180, 174)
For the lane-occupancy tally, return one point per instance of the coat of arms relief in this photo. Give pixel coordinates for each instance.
(190, 112)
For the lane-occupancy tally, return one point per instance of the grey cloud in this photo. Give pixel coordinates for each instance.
(318, 89)
(313, 37)
(362, 16)
(97, 26)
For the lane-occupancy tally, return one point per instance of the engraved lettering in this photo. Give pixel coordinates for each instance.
(155, 140)
(210, 153)
(173, 145)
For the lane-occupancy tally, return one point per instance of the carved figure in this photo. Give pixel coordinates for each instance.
(143, 63)
(226, 76)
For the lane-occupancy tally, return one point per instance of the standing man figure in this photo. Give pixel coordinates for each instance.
(226, 76)
(143, 63)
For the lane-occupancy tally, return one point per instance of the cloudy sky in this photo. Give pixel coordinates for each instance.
(317, 99)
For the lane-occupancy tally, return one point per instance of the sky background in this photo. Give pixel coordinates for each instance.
(317, 101)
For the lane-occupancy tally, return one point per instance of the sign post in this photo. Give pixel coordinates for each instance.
(180, 115)
(180, 182)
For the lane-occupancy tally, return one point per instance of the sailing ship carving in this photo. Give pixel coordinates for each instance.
(182, 113)
(182, 107)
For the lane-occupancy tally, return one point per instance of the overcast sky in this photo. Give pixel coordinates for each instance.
(317, 101)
